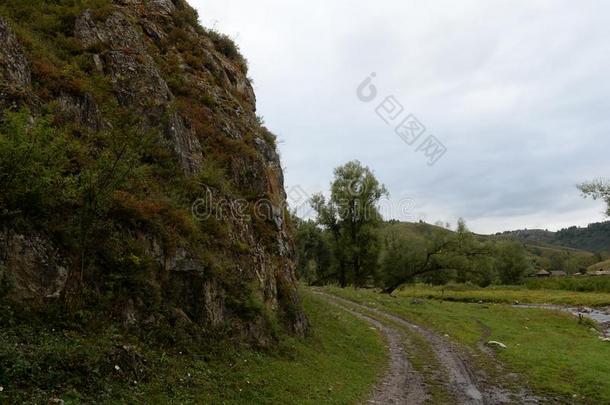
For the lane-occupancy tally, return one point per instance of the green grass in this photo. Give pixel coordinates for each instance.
(577, 283)
(555, 354)
(337, 364)
(507, 294)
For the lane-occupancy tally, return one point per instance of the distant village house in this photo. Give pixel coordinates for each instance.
(545, 273)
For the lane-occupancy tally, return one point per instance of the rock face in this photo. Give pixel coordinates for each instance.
(36, 266)
(15, 74)
(14, 67)
(149, 59)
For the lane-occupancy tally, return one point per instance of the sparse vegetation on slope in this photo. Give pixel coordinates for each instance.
(128, 136)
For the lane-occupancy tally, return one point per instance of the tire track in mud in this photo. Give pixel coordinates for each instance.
(401, 384)
(462, 381)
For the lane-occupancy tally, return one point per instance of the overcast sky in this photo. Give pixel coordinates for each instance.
(516, 91)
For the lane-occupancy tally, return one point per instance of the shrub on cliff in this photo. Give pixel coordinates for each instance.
(33, 165)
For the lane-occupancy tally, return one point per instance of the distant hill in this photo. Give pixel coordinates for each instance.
(415, 228)
(534, 236)
(593, 238)
(542, 247)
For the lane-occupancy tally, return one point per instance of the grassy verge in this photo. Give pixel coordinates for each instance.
(338, 363)
(582, 283)
(506, 294)
(554, 353)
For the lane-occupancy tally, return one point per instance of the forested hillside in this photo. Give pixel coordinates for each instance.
(593, 238)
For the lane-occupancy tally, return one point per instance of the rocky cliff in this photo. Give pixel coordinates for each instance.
(136, 174)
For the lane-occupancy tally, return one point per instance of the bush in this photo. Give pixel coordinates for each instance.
(33, 157)
(186, 16)
(227, 46)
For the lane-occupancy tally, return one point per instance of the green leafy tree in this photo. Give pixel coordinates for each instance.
(598, 190)
(558, 261)
(511, 262)
(406, 256)
(437, 257)
(352, 218)
(33, 159)
(108, 170)
(315, 258)
(65, 185)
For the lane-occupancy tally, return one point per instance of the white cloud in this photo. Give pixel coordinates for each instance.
(517, 91)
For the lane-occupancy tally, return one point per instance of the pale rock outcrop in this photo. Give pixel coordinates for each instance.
(14, 67)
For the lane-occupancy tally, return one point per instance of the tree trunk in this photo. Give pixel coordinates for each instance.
(342, 278)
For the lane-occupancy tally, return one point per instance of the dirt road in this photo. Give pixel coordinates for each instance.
(402, 384)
